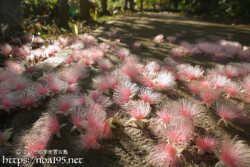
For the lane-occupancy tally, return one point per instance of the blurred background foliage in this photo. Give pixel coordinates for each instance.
(50, 17)
(226, 10)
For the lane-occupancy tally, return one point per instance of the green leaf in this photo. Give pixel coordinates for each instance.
(43, 35)
(180, 148)
(76, 29)
(7, 134)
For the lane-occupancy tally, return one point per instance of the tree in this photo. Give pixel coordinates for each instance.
(141, 8)
(63, 13)
(125, 5)
(176, 4)
(131, 3)
(85, 10)
(104, 7)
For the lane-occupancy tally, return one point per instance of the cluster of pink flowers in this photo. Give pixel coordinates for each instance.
(39, 136)
(218, 49)
(134, 86)
(26, 52)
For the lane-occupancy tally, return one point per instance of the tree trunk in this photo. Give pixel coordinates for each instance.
(141, 8)
(85, 10)
(104, 7)
(63, 13)
(131, 3)
(126, 5)
(160, 6)
(154, 3)
(176, 3)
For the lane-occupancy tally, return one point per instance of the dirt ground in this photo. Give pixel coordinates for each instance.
(130, 145)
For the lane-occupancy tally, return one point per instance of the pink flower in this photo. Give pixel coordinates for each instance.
(117, 41)
(42, 90)
(5, 88)
(62, 104)
(101, 83)
(136, 45)
(206, 144)
(164, 155)
(19, 83)
(190, 72)
(34, 146)
(47, 124)
(148, 95)
(124, 91)
(131, 70)
(28, 98)
(179, 131)
(234, 153)
(104, 64)
(231, 71)
(152, 68)
(6, 76)
(165, 80)
(159, 38)
(52, 123)
(177, 52)
(9, 101)
(68, 60)
(229, 112)
(111, 33)
(104, 47)
(38, 40)
(5, 49)
(145, 81)
(122, 52)
(230, 36)
(96, 121)
(89, 141)
(137, 109)
(18, 52)
(95, 95)
(219, 81)
(77, 45)
(14, 66)
(73, 88)
(71, 75)
(88, 39)
(194, 86)
(78, 118)
(115, 78)
(229, 47)
(64, 41)
(132, 59)
(171, 39)
(208, 95)
(166, 114)
(187, 108)
(102, 102)
(209, 48)
(55, 84)
(232, 88)
(94, 118)
(79, 100)
(244, 53)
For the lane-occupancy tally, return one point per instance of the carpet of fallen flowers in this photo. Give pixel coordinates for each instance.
(113, 108)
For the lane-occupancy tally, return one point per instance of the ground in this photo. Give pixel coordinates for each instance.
(130, 145)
